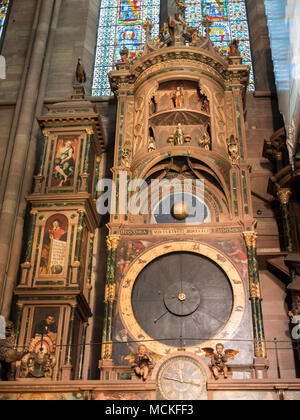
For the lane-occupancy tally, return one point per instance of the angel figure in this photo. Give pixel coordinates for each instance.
(142, 362)
(219, 360)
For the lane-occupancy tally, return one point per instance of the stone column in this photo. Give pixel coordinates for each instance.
(284, 195)
(255, 296)
(13, 193)
(110, 296)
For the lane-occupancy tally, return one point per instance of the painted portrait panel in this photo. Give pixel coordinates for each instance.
(54, 247)
(45, 323)
(65, 158)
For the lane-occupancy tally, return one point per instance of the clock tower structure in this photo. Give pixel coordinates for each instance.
(182, 273)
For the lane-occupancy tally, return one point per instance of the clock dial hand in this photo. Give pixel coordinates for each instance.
(191, 383)
(172, 379)
(179, 374)
(182, 382)
(157, 319)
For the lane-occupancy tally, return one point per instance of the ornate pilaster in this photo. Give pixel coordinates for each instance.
(284, 195)
(67, 367)
(255, 295)
(110, 296)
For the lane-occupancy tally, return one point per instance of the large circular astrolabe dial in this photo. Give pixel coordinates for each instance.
(181, 378)
(182, 299)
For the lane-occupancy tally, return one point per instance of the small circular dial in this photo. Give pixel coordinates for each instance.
(182, 299)
(181, 378)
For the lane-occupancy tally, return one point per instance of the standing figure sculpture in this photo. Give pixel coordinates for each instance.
(219, 358)
(179, 136)
(178, 97)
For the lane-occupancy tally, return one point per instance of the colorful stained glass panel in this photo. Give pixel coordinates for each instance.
(120, 25)
(230, 22)
(3, 13)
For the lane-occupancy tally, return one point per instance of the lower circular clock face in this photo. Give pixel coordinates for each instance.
(182, 299)
(181, 378)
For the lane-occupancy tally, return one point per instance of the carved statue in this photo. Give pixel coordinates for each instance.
(234, 48)
(8, 355)
(204, 101)
(179, 136)
(165, 35)
(233, 149)
(153, 105)
(219, 360)
(197, 40)
(178, 97)
(40, 361)
(142, 363)
(152, 143)
(205, 140)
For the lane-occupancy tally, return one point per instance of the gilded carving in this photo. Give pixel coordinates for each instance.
(233, 150)
(284, 195)
(113, 242)
(40, 361)
(250, 239)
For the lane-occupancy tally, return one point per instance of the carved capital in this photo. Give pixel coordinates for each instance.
(113, 242)
(284, 195)
(250, 239)
(46, 133)
(90, 131)
(81, 211)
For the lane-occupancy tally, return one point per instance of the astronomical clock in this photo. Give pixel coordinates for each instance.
(182, 272)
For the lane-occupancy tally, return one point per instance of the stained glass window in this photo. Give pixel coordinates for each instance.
(230, 22)
(3, 12)
(120, 26)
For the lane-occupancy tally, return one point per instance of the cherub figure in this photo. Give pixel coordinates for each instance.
(219, 360)
(142, 364)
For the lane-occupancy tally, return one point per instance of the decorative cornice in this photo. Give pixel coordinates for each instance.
(178, 56)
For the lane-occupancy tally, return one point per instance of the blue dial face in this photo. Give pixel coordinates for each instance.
(181, 378)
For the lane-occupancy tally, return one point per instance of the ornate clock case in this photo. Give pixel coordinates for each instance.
(175, 281)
